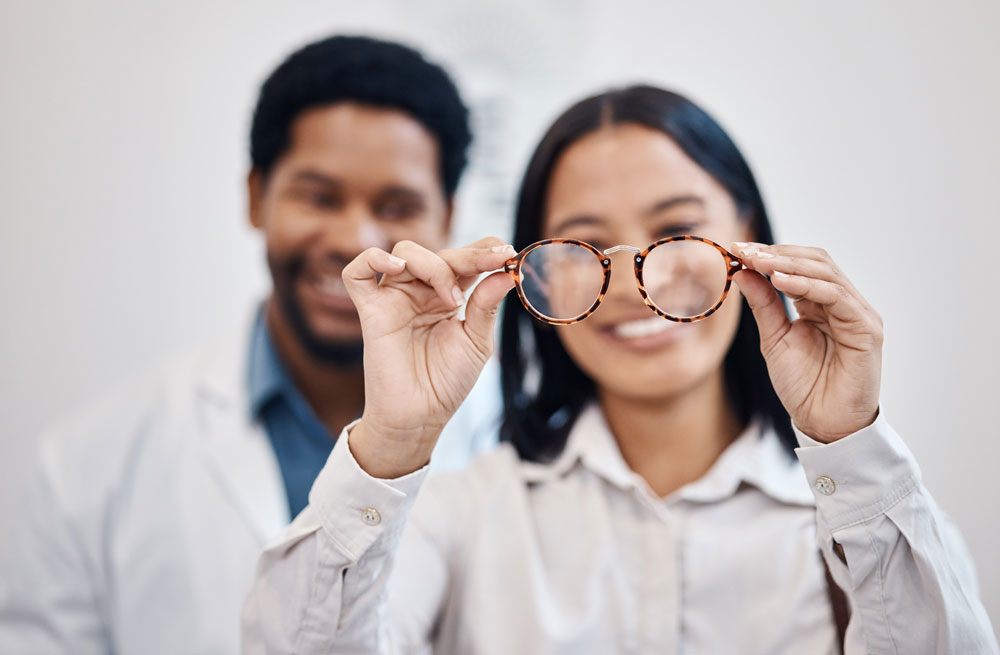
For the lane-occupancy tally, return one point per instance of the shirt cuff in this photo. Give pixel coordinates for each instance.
(860, 476)
(356, 509)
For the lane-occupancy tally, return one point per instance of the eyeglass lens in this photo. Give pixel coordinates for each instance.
(684, 278)
(561, 280)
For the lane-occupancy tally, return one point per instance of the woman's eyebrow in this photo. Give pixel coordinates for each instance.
(674, 201)
(572, 221)
(655, 208)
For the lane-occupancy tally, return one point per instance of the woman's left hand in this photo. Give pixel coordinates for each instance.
(826, 365)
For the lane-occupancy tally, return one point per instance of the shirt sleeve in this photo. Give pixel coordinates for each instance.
(49, 592)
(323, 587)
(907, 574)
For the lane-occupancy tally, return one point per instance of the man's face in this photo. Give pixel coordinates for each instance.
(353, 177)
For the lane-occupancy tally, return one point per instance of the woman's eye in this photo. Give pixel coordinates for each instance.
(600, 244)
(675, 229)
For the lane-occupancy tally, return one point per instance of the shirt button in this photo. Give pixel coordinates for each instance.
(371, 516)
(825, 485)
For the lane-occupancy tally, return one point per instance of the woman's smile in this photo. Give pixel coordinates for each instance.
(645, 333)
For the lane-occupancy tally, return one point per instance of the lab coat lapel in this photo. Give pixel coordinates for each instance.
(237, 450)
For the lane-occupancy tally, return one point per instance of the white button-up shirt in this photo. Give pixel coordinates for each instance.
(579, 556)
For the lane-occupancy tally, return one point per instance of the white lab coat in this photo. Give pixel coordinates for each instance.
(143, 519)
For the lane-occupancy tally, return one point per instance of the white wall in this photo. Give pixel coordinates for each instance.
(872, 127)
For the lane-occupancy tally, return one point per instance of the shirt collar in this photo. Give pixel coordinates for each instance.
(267, 377)
(591, 444)
(755, 457)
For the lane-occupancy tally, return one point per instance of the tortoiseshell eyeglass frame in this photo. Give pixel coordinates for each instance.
(513, 267)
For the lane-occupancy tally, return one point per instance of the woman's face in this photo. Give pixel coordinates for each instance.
(631, 185)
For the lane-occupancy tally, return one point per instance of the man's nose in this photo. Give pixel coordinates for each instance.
(356, 231)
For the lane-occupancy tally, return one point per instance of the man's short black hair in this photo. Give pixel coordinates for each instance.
(370, 72)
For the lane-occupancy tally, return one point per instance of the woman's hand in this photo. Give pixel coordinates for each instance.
(826, 365)
(420, 360)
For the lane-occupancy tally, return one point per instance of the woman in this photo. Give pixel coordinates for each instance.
(649, 499)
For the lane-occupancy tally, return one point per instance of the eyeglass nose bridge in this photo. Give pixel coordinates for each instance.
(612, 250)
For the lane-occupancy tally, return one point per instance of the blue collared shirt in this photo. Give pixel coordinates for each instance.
(300, 441)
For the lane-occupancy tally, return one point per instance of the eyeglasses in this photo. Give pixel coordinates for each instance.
(681, 278)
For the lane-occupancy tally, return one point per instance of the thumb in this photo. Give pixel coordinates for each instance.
(766, 305)
(481, 311)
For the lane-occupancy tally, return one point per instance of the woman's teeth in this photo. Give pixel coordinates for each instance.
(643, 328)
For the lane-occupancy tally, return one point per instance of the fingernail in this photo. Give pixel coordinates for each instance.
(779, 274)
(459, 297)
(746, 249)
(763, 254)
(508, 249)
(396, 261)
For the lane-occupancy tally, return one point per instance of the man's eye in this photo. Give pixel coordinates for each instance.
(322, 200)
(315, 198)
(396, 211)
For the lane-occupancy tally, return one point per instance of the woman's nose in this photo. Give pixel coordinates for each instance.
(623, 285)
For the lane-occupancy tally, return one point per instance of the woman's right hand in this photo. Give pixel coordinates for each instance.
(420, 359)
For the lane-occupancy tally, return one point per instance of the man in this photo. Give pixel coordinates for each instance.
(145, 516)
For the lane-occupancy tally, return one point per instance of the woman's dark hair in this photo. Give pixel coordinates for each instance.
(366, 71)
(538, 416)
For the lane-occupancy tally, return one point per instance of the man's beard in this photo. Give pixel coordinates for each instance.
(286, 273)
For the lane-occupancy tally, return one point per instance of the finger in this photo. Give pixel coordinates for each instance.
(835, 298)
(766, 263)
(806, 252)
(481, 312)
(764, 258)
(766, 305)
(487, 242)
(796, 260)
(815, 315)
(808, 309)
(361, 274)
(471, 261)
(427, 267)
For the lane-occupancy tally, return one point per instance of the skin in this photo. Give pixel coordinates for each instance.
(664, 400)
(352, 177)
